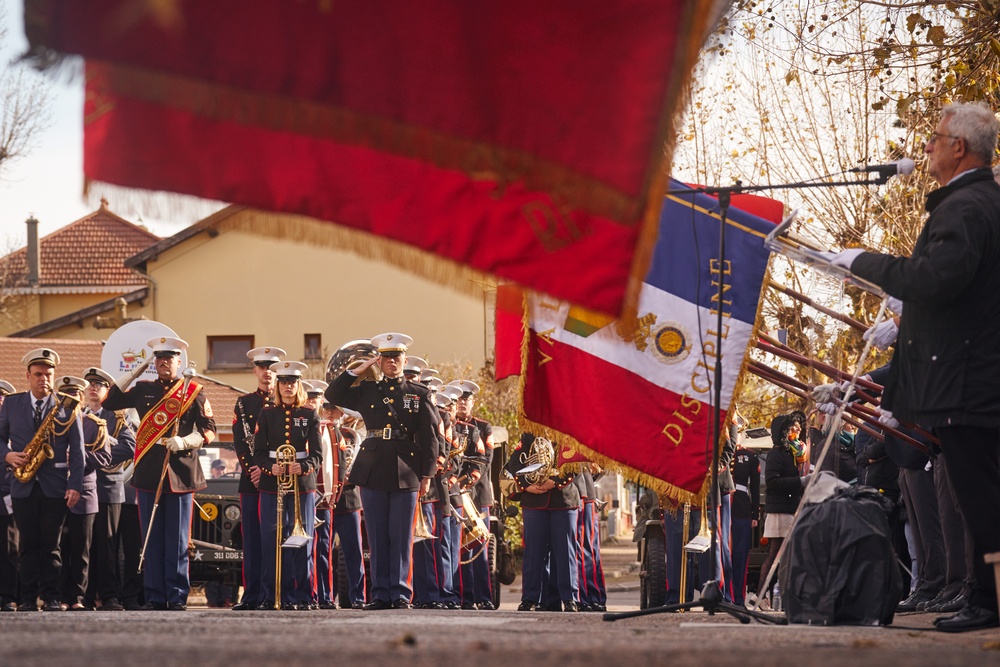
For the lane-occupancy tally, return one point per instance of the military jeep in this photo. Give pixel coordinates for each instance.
(216, 545)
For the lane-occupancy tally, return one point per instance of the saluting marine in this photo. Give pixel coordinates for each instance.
(394, 463)
(246, 412)
(176, 419)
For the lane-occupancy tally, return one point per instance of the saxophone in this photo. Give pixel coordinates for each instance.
(39, 450)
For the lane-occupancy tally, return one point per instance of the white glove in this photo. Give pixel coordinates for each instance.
(885, 417)
(825, 393)
(828, 408)
(847, 383)
(124, 381)
(805, 480)
(192, 440)
(883, 334)
(895, 305)
(845, 258)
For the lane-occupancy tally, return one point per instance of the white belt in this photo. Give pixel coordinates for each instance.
(60, 465)
(743, 488)
(298, 455)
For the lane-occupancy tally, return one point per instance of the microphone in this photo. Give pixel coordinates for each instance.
(903, 167)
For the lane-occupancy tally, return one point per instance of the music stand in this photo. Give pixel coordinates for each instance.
(711, 594)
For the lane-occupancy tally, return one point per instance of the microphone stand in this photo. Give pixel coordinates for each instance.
(711, 594)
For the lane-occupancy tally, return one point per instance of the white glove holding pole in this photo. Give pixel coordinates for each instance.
(192, 440)
(825, 393)
(845, 258)
(885, 417)
(828, 408)
(894, 304)
(124, 381)
(883, 334)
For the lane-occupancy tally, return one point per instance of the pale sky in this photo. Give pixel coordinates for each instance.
(49, 182)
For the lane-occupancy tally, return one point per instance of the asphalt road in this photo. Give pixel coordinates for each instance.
(478, 638)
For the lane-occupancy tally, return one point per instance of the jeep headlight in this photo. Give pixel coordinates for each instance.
(233, 513)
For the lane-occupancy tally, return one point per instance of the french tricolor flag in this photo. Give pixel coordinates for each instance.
(637, 393)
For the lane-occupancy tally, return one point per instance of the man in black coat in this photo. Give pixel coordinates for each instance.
(946, 361)
(394, 463)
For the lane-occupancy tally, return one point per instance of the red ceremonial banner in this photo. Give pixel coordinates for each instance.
(527, 140)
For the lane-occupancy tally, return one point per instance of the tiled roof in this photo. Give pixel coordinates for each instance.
(90, 252)
(77, 355)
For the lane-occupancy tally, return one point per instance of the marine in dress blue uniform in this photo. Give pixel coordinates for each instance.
(290, 422)
(173, 458)
(245, 414)
(105, 579)
(550, 511)
(40, 504)
(394, 463)
(347, 508)
(322, 544)
(476, 589)
(447, 526)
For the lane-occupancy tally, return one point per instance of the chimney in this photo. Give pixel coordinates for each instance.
(34, 256)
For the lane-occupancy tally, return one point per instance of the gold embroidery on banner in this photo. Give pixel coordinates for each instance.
(325, 121)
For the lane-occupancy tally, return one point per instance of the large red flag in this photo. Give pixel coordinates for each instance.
(639, 396)
(524, 139)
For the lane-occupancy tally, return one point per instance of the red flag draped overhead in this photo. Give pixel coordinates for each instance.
(525, 139)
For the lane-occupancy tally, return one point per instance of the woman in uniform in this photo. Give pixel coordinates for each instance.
(291, 421)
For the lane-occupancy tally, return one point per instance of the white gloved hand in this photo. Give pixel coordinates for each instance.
(825, 393)
(124, 381)
(883, 334)
(845, 258)
(885, 417)
(192, 440)
(895, 305)
(828, 408)
(847, 383)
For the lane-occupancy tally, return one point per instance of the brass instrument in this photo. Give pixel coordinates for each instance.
(350, 356)
(119, 424)
(39, 449)
(287, 483)
(421, 531)
(541, 461)
(474, 529)
(353, 440)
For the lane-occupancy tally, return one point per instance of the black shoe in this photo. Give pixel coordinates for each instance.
(468, 606)
(244, 605)
(53, 605)
(27, 606)
(582, 606)
(112, 604)
(154, 606)
(487, 606)
(266, 605)
(452, 605)
(433, 604)
(378, 605)
(956, 604)
(177, 606)
(933, 602)
(289, 606)
(910, 603)
(402, 604)
(569, 605)
(970, 618)
(526, 605)
(357, 605)
(131, 605)
(327, 605)
(597, 606)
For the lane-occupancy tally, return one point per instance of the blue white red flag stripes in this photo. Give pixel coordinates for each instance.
(637, 394)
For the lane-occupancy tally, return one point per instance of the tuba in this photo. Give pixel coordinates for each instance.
(541, 461)
(351, 355)
(39, 449)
